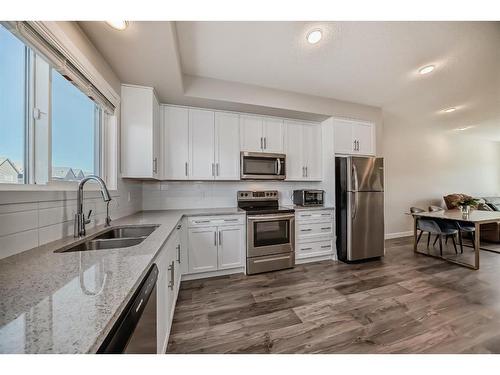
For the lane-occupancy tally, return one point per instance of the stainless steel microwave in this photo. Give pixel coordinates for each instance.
(262, 166)
(308, 197)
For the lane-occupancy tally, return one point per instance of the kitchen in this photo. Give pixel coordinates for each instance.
(169, 201)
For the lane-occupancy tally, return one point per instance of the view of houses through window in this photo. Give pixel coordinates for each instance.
(12, 107)
(75, 126)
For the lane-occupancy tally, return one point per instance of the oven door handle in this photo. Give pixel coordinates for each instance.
(270, 216)
(278, 169)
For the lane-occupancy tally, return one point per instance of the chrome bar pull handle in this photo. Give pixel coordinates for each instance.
(171, 268)
(186, 168)
(215, 238)
(265, 143)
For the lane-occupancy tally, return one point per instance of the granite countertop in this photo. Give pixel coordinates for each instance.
(67, 302)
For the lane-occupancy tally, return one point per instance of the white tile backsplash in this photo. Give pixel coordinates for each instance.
(30, 224)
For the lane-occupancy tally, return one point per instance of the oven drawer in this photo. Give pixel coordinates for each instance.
(270, 263)
(316, 215)
(208, 221)
(305, 231)
(314, 249)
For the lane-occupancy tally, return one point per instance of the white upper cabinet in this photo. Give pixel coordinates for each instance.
(273, 135)
(313, 152)
(354, 137)
(261, 134)
(227, 146)
(363, 134)
(251, 135)
(140, 133)
(201, 144)
(303, 151)
(294, 151)
(175, 143)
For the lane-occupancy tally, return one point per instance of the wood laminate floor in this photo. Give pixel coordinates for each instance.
(404, 303)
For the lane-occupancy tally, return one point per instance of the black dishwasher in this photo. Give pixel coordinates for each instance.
(135, 330)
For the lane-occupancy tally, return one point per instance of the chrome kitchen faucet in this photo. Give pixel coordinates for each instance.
(80, 221)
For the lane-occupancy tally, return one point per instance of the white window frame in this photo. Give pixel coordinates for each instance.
(38, 136)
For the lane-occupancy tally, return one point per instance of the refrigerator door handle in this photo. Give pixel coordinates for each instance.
(355, 176)
(354, 205)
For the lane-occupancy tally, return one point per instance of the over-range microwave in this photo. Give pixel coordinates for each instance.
(262, 166)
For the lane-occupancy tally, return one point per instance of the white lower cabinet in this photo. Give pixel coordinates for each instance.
(207, 245)
(215, 243)
(167, 287)
(314, 235)
(231, 245)
(202, 249)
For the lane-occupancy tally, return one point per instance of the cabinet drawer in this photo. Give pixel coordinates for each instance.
(316, 215)
(308, 230)
(207, 221)
(314, 249)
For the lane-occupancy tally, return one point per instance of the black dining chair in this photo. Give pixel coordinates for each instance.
(432, 226)
(450, 229)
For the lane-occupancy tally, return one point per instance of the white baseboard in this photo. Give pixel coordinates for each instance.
(390, 236)
(316, 259)
(203, 275)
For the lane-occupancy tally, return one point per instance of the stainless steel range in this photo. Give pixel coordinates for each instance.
(270, 231)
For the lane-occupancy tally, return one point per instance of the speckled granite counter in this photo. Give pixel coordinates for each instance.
(67, 302)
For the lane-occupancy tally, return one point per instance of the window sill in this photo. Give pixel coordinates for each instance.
(52, 187)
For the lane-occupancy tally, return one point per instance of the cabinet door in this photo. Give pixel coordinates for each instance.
(273, 135)
(312, 152)
(202, 249)
(162, 301)
(251, 134)
(137, 131)
(157, 136)
(295, 167)
(227, 146)
(201, 144)
(173, 269)
(175, 143)
(363, 134)
(343, 139)
(231, 245)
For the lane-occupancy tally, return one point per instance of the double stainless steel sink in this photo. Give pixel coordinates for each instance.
(112, 238)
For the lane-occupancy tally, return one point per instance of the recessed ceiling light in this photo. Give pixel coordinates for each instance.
(449, 110)
(426, 69)
(314, 36)
(464, 128)
(118, 25)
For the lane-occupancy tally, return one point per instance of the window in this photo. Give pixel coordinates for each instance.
(13, 55)
(50, 130)
(75, 131)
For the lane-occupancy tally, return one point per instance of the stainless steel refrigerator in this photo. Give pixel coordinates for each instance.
(359, 196)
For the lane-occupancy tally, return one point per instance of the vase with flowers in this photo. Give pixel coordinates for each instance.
(466, 204)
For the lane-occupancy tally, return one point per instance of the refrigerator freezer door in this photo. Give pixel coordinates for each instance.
(367, 174)
(365, 219)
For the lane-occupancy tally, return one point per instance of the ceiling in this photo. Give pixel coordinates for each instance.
(371, 63)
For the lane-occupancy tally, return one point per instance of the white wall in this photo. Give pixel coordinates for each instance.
(424, 162)
(189, 194)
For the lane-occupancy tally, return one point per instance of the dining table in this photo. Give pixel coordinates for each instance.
(475, 217)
